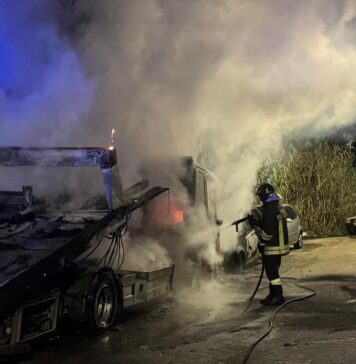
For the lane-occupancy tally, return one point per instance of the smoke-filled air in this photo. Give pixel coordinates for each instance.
(224, 81)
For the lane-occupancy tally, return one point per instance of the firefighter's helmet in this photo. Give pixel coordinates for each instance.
(265, 190)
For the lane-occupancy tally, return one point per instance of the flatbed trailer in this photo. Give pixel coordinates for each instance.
(48, 269)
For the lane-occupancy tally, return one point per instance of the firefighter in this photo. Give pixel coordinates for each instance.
(271, 228)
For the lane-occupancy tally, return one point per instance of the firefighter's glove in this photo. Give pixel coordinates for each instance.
(261, 248)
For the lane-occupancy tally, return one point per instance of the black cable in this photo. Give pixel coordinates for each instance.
(123, 251)
(113, 253)
(119, 253)
(270, 326)
(92, 251)
(116, 246)
(114, 249)
(104, 257)
(121, 257)
(121, 239)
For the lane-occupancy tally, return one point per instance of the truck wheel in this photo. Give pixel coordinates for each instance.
(102, 303)
(299, 243)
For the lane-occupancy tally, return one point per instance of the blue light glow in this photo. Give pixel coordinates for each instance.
(43, 88)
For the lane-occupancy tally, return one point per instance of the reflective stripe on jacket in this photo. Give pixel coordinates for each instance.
(274, 232)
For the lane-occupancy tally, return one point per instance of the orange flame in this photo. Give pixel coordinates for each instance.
(177, 216)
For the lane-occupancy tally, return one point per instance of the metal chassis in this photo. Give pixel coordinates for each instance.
(18, 288)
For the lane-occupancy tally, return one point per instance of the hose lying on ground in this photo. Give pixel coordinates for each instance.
(274, 313)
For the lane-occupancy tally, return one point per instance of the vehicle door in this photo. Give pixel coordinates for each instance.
(292, 223)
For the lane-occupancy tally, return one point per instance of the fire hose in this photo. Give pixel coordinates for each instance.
(274, 313)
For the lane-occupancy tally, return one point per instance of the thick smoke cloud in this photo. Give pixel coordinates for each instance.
(226, 80)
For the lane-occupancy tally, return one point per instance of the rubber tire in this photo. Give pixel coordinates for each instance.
(103, 281)
(351, 229)
(299, 243)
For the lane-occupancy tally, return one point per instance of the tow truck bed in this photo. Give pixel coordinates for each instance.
(31, 252)
(58, 264)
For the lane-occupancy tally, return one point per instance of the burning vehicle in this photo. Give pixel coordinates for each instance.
(57, 264)
(194, 214)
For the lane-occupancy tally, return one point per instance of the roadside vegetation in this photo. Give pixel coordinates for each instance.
(319, 182)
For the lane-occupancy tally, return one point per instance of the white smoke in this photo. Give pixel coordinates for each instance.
(145, 254)
(228, 80)
(234, 76)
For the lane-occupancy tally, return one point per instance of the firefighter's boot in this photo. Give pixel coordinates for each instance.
(269, 297)
(275, 298)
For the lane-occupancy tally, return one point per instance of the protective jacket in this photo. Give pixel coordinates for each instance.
(274, 232)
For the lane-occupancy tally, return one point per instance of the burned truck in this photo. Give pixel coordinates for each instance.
(58, 264)
(194, 223)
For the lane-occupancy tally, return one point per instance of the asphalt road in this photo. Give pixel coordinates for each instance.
(207, 325)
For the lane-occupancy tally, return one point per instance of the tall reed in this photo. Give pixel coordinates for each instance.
(319, 182)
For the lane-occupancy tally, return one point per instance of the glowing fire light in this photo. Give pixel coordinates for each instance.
(177, 216)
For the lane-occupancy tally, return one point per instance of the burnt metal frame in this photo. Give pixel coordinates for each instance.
(17, 288)
(103, 157)
(20, 286)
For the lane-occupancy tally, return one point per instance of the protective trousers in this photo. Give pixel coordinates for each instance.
(272, 264)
